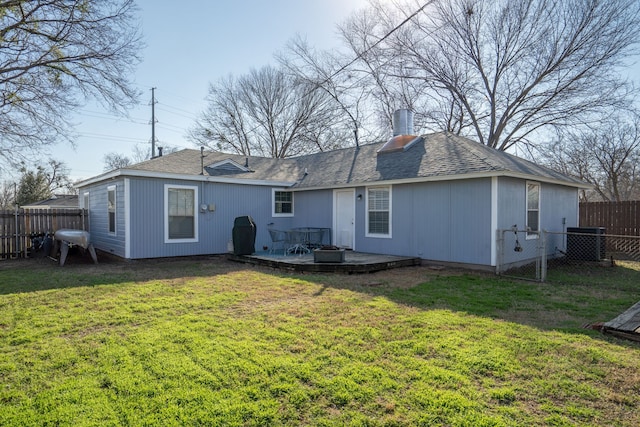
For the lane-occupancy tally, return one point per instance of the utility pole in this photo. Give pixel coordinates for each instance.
(153, 122)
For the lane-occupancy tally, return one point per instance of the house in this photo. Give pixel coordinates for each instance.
(57, 201)
(440, 197)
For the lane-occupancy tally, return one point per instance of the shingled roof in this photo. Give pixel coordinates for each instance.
(435, 156)
(57, 201)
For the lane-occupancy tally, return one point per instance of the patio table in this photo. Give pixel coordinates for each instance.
(297, 241)
(310, 237)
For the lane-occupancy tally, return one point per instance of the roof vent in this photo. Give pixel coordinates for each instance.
(403, 137)
(227, 166)
(402, 122)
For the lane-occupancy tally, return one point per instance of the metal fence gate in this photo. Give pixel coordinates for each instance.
(521, 254)
(534, 255)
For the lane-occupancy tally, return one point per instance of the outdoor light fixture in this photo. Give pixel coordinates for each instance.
(359, 197)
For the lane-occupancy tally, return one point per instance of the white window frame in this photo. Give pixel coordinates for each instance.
(193, 188)
(379, 235)
(273, 203)
(534, 234)
(112, 188)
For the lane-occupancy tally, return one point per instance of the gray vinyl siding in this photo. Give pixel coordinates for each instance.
(560, 209)
(449, 221)
(99, 226)
(440, 221)
(214, 227)
(556, 203)
(313, 209)
(147, 210)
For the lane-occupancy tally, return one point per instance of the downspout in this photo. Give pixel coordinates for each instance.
(495, 259)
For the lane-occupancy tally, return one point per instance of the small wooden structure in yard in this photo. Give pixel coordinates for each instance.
(626, 325)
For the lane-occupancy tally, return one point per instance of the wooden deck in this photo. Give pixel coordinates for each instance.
(626, 325)
(355, 262)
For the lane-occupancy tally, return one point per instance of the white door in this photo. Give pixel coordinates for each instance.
(344, 215)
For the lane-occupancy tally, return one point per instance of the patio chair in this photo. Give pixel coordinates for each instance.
(316, 237)
(279, 240)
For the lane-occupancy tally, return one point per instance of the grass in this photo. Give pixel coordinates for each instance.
(206, 342)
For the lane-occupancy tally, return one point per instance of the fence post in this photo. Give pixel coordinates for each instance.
(17, 247)
(543, 256)
(499, 250)
(538, 258)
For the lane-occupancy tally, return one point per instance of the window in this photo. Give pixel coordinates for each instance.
(181, 221)
(111, 208)
(282, 203)
(533, 209)
(379, 212)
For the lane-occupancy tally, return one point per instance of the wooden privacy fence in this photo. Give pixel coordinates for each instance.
(17, 227)
(618, 218)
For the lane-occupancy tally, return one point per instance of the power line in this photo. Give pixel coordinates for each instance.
(136, 121)
(358, 56)
(107, 115)
(170, 125)
(176, 130)
(191, 101)
(387, 35)
(110, 137)
(191, 116)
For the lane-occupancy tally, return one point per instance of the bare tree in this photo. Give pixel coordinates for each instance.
(224, 124)
(607, 156)
(55, 54)
(266, 112)
(42, 182)
(347, 88)
(500, 70)
(7, 195)
(115, 161)
(140, 153)
(377, 69)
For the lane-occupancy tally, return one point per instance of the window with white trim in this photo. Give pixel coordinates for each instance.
(111, 209)
(181, 219)
(533, 209)
(282, 203)
(379, 212)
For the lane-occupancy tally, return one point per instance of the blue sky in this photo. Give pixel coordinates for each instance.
(187, 47)
(190, 46)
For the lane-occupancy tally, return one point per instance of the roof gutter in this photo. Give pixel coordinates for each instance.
(185, 177)
(439, 178)
(295, 186)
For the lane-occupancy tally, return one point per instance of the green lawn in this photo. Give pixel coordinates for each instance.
(208, 342)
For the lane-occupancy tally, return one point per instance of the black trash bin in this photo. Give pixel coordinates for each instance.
(244, 235)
